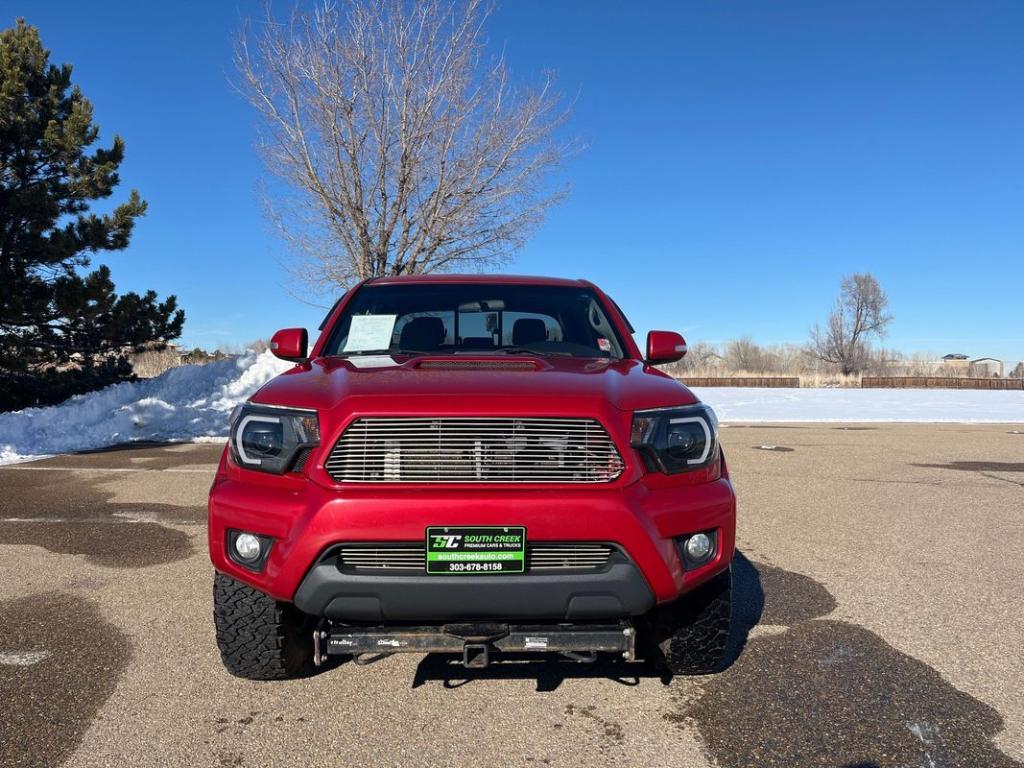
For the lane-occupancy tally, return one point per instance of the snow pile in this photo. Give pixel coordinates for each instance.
(739, 404)
(185, 403)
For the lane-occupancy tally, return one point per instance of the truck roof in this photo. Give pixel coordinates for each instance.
(481, 279)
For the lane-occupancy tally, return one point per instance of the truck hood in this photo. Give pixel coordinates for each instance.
(462, 384)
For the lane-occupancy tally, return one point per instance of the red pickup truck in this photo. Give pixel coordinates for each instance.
(478, 465)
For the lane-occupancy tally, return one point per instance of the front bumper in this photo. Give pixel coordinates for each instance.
(616, 590)
(306, 520)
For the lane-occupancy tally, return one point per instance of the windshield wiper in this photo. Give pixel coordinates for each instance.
(528, 351)
(359, 352)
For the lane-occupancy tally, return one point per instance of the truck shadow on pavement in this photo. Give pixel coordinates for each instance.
(550, 671)
(797, 690)
(977, 466)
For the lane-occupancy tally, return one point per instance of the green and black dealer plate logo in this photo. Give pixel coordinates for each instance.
(477, 550)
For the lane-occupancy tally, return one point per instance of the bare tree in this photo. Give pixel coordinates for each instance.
(745, 354)
(859, 313)
(401, 149)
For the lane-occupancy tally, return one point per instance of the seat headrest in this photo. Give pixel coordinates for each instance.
(422, 334)
(528, 330)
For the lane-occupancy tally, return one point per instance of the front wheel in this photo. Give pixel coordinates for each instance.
(690, 636)
(260, 638)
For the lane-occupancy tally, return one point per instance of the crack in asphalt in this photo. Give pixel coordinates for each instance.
(982, 469)
(1002, 479)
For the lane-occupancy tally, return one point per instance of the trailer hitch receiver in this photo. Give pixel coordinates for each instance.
(475, 656)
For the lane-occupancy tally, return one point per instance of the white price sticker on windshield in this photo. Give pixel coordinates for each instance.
(370, 332)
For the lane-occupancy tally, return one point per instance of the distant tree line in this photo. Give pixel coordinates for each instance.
(843, 346)
(838, 352)
(63, 329)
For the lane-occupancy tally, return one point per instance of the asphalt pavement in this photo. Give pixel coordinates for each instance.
(879, 622)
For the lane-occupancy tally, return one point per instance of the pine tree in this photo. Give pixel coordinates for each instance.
(63, 330)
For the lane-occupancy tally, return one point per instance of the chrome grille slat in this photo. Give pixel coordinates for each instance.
(430, 449)
(539, 556)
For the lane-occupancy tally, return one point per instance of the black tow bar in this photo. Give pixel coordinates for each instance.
(477, 641)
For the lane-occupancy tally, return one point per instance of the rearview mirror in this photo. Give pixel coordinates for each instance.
(290, 344)
(665, 347)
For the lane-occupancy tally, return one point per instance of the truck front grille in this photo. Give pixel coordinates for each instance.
(474, 450)
(410, 557)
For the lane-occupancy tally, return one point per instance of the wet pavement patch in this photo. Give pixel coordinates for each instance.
(71, 513)
(111, 544)
(829, 693)
(49, 703)
(776, 448)
(141, 456)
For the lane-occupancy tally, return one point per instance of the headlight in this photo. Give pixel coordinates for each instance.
(272, 439)
(673, 440)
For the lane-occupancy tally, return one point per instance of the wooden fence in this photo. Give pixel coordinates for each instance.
(867, 382)
(938, 382)
(740, 381)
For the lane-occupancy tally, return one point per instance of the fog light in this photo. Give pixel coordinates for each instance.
(247, 547)
(698, 547)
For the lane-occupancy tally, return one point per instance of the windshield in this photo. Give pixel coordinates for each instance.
(483, 318)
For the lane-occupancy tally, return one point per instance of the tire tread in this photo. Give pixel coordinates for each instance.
(691, 636)
(259, 638)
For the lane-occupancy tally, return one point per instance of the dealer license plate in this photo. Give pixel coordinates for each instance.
(476, 550)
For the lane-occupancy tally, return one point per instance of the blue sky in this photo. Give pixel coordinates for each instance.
(742, 157)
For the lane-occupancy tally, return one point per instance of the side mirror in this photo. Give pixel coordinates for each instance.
(665, 347)
(290, 344)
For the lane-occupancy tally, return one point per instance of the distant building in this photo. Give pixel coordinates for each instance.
(986, 367)
(958, 362)
(713, 360)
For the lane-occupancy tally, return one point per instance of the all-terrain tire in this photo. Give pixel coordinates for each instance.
(260, 638)
(690, 636)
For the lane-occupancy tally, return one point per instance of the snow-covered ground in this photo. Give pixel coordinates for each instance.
(186, 403)
(193, 402)
(741, 404)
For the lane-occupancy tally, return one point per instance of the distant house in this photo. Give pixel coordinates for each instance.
(986, 367)
(958, 362)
